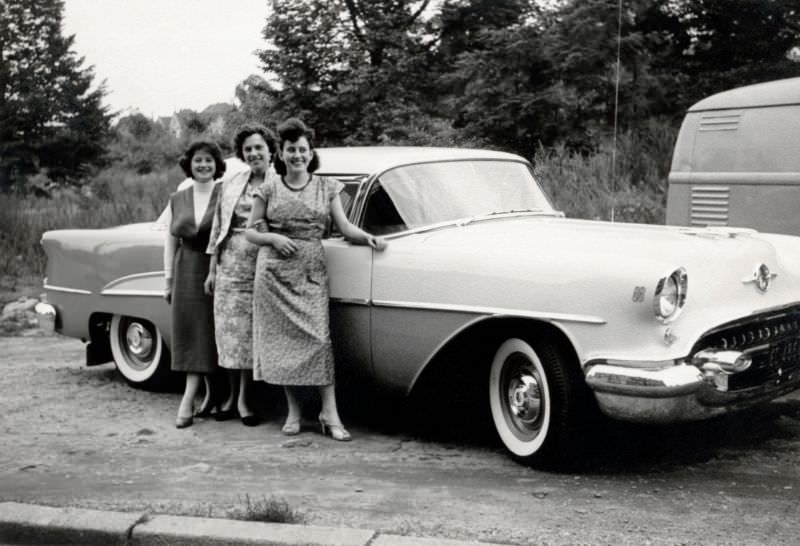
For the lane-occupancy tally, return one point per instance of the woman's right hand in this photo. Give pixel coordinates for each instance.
(208, 284)
(283, 245)
(168, 293)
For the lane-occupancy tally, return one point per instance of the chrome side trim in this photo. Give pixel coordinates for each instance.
(479, 310)
(131, 277)
(55, 288)
(351, 301)
(115, 292)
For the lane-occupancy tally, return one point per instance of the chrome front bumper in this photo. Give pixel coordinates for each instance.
(681, 391)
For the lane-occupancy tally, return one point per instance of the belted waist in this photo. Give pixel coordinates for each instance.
(195, 244)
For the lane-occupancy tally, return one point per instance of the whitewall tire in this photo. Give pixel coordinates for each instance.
(139, 351)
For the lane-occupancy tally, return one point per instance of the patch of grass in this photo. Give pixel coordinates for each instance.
(110, 198)
(268, 509)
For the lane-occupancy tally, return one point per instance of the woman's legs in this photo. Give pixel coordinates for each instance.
(292, 424)
(186, 408)
(233, 390)
(208, 401)
(245, 380)
(329, 416)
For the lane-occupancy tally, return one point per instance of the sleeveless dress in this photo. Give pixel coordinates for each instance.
(193, 347)
(291, 333)
(233, 290)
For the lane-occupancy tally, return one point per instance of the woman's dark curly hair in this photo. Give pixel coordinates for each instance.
(185, 161)
(290, 131)
(249, 129)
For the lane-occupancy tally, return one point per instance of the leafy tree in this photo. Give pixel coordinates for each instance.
(142, 145)
(352, 68)
(51, 119)
(713, 45)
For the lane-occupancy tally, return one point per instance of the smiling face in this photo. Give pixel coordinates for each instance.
(297, 155)
(256, 153)
(203, 166)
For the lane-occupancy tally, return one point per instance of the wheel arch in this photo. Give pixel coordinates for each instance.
(482, 336)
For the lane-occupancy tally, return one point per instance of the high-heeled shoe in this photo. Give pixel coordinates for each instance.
(183, 422)
(209, 410)
(291, 428)
(250, 420)
(226, 415)
(336, 430)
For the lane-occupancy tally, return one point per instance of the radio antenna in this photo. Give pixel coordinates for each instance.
(616, 113)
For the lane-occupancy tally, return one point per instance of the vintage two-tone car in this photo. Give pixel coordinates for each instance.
(482, 277)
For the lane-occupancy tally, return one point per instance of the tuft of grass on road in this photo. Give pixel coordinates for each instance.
(267, 509)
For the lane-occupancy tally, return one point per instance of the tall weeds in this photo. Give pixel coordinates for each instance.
(110, 198)
(591, 187)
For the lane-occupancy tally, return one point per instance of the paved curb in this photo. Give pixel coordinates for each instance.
(33, 524)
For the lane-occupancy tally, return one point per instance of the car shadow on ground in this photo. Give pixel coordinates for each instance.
(462, 421)
(613, 447)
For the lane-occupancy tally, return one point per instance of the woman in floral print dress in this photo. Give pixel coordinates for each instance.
(291, 335)
(233, 261)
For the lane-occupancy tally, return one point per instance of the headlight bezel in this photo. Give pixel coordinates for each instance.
(670, 294)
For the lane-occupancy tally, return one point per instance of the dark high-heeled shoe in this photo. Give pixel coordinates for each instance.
(207, 411)
(250, 420)
(226, 415)
(336, 430)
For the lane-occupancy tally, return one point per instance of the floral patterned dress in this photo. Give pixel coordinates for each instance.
(233, 289)
(291, 333)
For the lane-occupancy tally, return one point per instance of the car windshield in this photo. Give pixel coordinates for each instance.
(432, 193)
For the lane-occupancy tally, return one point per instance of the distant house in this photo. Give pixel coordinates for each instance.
(211, 119)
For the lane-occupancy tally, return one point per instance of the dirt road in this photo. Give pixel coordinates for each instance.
(77, 436)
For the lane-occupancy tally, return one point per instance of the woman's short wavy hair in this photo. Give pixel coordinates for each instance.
(290, 131)
(185, 162)
(249, 129)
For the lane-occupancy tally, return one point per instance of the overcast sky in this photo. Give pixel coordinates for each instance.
(159, 56)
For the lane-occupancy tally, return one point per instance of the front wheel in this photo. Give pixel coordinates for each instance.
(537, 401)
(139, 352)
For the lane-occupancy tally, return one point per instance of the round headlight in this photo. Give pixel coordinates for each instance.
(670, 295)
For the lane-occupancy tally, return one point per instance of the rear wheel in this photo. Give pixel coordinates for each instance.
(537, 400)
(139, 352)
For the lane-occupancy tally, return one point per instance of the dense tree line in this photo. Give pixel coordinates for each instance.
(520, 75)
(517, 74)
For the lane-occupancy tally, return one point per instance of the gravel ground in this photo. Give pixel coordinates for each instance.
(77, 436)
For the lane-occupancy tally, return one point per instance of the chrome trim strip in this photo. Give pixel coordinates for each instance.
(475, 309)
(126, 278)
(351, 301)
(65, 289)
(115, 292)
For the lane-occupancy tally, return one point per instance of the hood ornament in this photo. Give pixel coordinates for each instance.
(762, 277)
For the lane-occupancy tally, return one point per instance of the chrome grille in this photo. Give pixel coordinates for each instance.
(773, 342)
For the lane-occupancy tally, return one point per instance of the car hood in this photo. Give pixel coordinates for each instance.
(542, 240)
(597, 272)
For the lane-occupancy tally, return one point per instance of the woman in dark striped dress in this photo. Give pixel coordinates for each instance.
(189, 217)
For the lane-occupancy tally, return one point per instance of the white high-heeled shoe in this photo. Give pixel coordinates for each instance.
(336, 430)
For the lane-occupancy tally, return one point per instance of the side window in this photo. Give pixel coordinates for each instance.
(380, 216)
(347, 195)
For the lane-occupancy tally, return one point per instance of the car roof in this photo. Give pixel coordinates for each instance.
(355, 160)
(773, 93)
